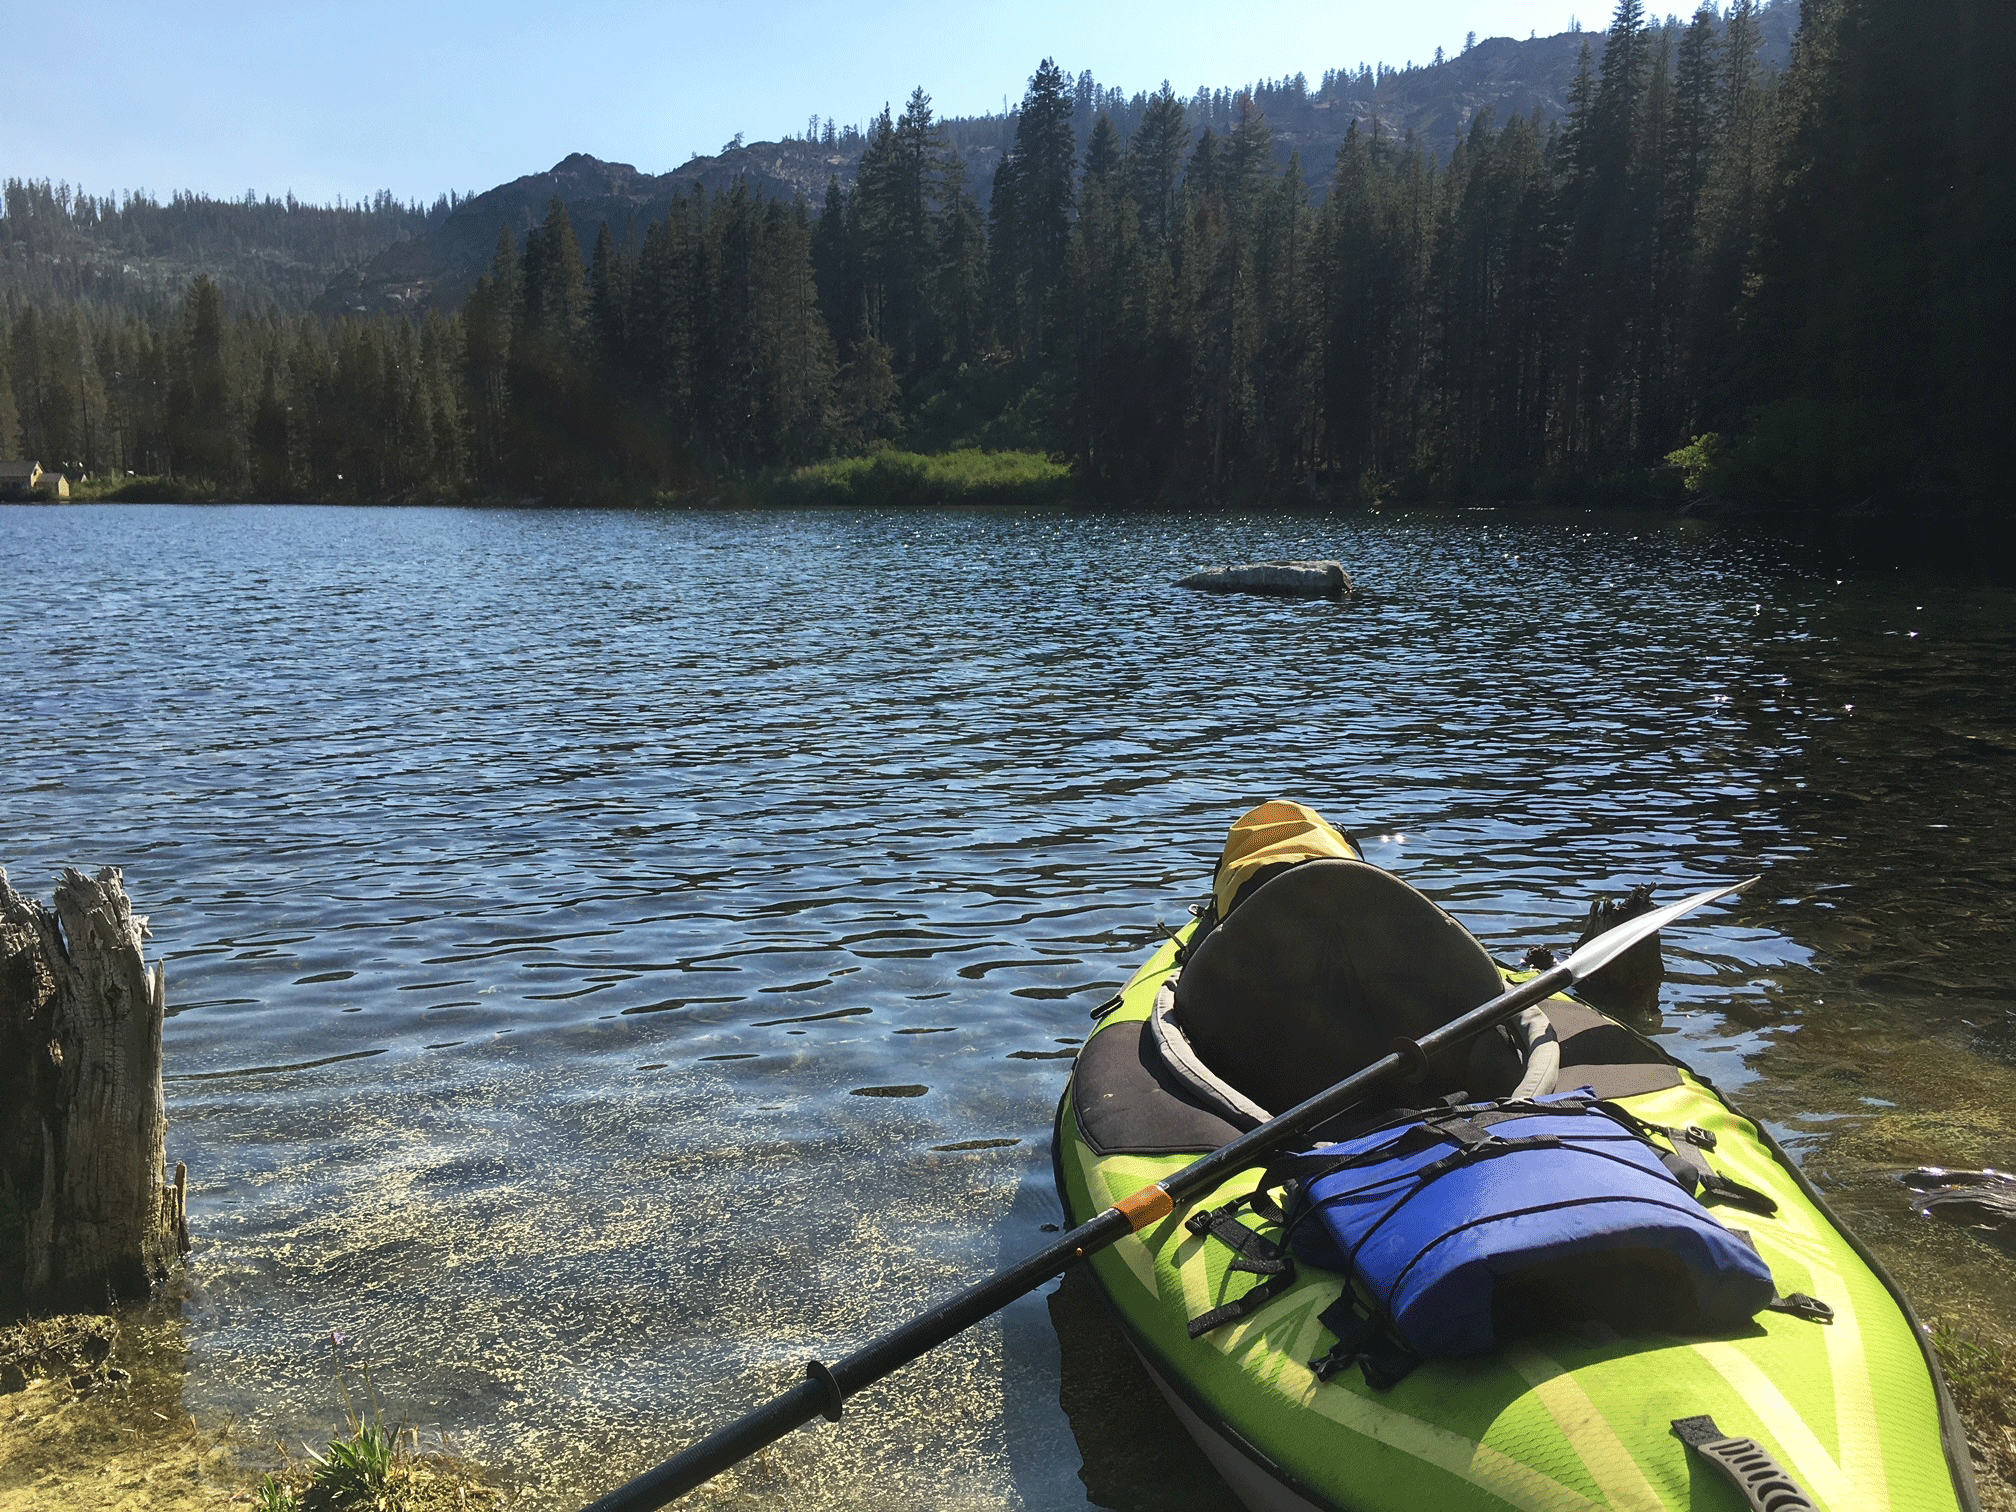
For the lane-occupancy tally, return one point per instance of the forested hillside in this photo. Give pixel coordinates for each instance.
(1800, 277)
(137, 253)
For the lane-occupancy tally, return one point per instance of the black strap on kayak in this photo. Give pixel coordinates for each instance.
(1758, 1477)
(1253, 1254)
(1365, 1339)
(1693, 1172)
(1798, 1304)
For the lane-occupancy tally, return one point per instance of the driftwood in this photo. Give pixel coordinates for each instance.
(1981, 1200)
(83, 1125)
(1324, 579)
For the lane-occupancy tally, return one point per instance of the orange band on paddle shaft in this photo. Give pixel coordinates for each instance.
(1149, 1205)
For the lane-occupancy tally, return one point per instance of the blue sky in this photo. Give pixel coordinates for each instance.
(325, 99)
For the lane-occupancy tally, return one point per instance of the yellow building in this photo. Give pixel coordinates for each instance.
(29, 477)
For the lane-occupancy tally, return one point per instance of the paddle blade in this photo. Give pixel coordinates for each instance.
(1612, 943)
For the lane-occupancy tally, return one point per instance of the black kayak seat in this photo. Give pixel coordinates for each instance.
(1318, 971)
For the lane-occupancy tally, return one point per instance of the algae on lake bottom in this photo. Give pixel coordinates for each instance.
(91, 1418)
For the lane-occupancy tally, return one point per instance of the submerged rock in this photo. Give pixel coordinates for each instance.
(1283, 579)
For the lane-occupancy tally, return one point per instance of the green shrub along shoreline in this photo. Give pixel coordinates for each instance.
(967, 476)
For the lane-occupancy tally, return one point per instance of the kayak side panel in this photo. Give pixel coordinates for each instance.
(1258, 1486)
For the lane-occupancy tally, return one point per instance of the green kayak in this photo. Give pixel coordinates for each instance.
(1830, 1399)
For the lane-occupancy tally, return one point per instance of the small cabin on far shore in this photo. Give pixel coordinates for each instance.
(30, 477)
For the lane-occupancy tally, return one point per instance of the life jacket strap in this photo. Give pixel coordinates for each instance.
(1366, 1340)
(1251, 1253)
(1799, 1305)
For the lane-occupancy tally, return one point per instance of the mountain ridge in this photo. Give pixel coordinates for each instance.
(1435, 103)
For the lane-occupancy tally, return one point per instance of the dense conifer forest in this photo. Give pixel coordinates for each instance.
(1795, 284)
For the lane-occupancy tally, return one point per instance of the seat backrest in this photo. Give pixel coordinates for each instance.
(1318, 971)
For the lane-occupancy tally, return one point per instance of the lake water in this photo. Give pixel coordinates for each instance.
(614, 957)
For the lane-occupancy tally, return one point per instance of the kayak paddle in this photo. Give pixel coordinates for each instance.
(826, 1387)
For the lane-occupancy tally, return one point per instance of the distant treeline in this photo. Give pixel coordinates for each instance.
(59, 245)
(1805, 275)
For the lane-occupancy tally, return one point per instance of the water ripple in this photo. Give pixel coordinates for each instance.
(614, 956)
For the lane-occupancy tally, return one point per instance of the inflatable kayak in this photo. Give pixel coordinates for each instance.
(1559, 1273)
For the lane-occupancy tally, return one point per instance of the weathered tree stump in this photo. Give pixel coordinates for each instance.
(83, 1124)
(1629, 985)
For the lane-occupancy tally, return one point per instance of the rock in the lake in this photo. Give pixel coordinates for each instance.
(1284, 579)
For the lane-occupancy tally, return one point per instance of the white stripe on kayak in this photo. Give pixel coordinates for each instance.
(1859, 1470)
(1589, 1434)
(1810, 1464)
(1193, 1271)
(1302, 1307)
(1130, 1249)
(1856, 1424)
(1515, 1484)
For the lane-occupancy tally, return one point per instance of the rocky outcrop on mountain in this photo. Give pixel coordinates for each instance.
(1436, 103)
(439, 269)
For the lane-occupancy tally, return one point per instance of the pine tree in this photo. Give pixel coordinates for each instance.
(441, 338)
(907, 179)
(271, 472)
(200, 437)
(10, 415)
(962, 271)
(487, 320)
(1735, 207)
(1102, 155)
(836, 266)
(1032, 210)
(550, 339)
(1154, 164)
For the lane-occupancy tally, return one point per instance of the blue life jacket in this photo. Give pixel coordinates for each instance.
(1462, 1224)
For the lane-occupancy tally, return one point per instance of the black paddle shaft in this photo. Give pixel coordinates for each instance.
(826, 1387)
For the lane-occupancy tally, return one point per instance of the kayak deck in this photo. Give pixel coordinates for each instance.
(1573, 1418)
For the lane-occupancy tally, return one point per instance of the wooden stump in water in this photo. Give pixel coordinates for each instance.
(83, 1124)
(1629, 985)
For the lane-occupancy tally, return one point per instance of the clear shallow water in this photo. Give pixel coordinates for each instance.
(614, 957)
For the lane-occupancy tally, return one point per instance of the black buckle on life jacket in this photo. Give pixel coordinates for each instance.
(1365, 1340)
(1799, 1305)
